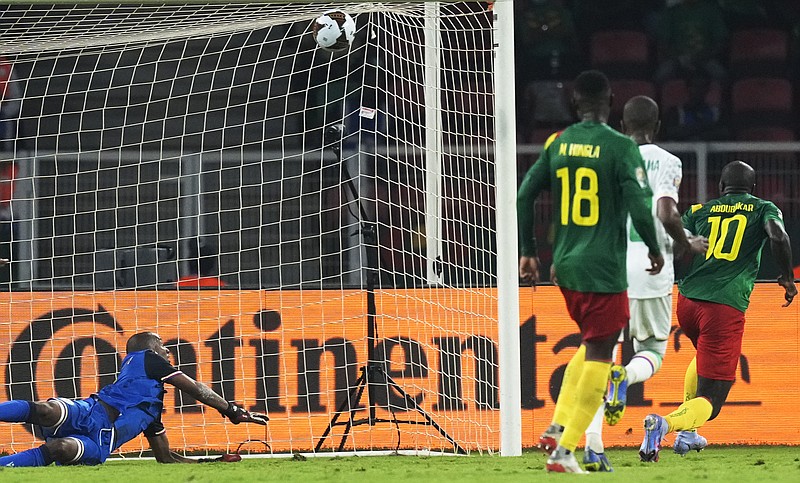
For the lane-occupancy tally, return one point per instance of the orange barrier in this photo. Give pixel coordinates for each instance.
(765, 391)
(296, 354)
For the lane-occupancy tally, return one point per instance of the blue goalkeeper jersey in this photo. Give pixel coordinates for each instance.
(138, 395)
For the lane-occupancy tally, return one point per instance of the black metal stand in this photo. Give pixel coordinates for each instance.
(373, 374)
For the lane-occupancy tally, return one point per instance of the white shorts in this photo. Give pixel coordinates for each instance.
(650, 318)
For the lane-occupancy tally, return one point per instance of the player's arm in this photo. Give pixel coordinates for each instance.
(207, 396)
(670, 217)
(158, 368)
(536, 179)
(782, 251)
(666, 188)
(632, 179)
(159, 444)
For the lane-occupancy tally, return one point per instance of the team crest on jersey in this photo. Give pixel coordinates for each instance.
(641, 176)
(677, 182)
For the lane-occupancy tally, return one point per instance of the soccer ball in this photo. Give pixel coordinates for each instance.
(334, 30)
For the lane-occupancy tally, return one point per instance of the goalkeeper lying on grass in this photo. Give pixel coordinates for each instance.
(86, 431)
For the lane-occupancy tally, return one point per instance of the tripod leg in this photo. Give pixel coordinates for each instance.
(358, 389)
(349, 424)
(413, 404)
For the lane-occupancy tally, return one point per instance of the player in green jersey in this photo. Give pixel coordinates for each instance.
(713, 298)
(650, 297)
(597, 177)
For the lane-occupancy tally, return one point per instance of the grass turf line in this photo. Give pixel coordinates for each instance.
(741, 464)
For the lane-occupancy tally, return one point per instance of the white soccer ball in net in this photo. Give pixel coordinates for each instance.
(334, 30)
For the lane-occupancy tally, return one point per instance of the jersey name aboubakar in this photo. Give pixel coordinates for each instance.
(596, 175)
(734, 225)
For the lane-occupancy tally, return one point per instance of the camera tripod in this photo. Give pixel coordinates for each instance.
(373, 374)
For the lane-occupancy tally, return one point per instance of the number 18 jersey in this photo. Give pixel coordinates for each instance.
(734, 225)
(596, 177)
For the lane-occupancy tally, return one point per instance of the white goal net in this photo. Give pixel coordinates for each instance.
(313, 234)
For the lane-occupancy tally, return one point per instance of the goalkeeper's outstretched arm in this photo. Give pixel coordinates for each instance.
(163, 454)
(205, 395)
(199, 391)
(159, 443)
(160, 446)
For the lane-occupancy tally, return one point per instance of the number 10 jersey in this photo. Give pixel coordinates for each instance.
(734, 225)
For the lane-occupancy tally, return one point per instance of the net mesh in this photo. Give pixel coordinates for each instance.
(287, 188)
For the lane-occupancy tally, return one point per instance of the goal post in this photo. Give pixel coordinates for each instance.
(507, 255)
(316, 235)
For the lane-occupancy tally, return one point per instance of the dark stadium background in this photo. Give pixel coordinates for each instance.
(214, 102)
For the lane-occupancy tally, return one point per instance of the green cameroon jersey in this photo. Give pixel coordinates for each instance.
(596, 176)
(734, 225)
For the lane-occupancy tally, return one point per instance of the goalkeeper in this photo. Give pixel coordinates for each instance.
(86, 431)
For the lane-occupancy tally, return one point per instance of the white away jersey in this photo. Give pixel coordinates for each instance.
(664, 172)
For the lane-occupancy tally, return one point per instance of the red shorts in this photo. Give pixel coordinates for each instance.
(716, 331)
(598, 315)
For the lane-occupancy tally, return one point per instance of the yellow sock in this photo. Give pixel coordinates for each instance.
(690, 415)
(569, 384)
(588, 397)
(690, 381)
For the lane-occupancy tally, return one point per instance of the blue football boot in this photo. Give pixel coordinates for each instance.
(655, 428)
(596, 461)
(687, 441)
(617, 395)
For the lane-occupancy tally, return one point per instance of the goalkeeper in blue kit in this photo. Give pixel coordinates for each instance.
(87, 431)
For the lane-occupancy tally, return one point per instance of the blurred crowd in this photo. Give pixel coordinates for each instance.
(720, 69)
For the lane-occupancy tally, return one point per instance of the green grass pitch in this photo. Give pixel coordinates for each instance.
(739, 464)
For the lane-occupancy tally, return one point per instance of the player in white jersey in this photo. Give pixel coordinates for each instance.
(649, 296)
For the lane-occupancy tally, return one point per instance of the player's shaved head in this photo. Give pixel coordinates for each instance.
(142, 341)
(737, 177)
(640, 114)
(592, 94)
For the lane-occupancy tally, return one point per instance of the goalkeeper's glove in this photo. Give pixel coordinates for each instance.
(238, 414)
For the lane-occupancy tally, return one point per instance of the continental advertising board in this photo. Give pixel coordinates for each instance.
(298, 354)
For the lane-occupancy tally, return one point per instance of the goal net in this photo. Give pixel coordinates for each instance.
(313, 234)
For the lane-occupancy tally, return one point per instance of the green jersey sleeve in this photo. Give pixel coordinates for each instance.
(688, 218)
(636, 194)
(772, 212)
(536, 179)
